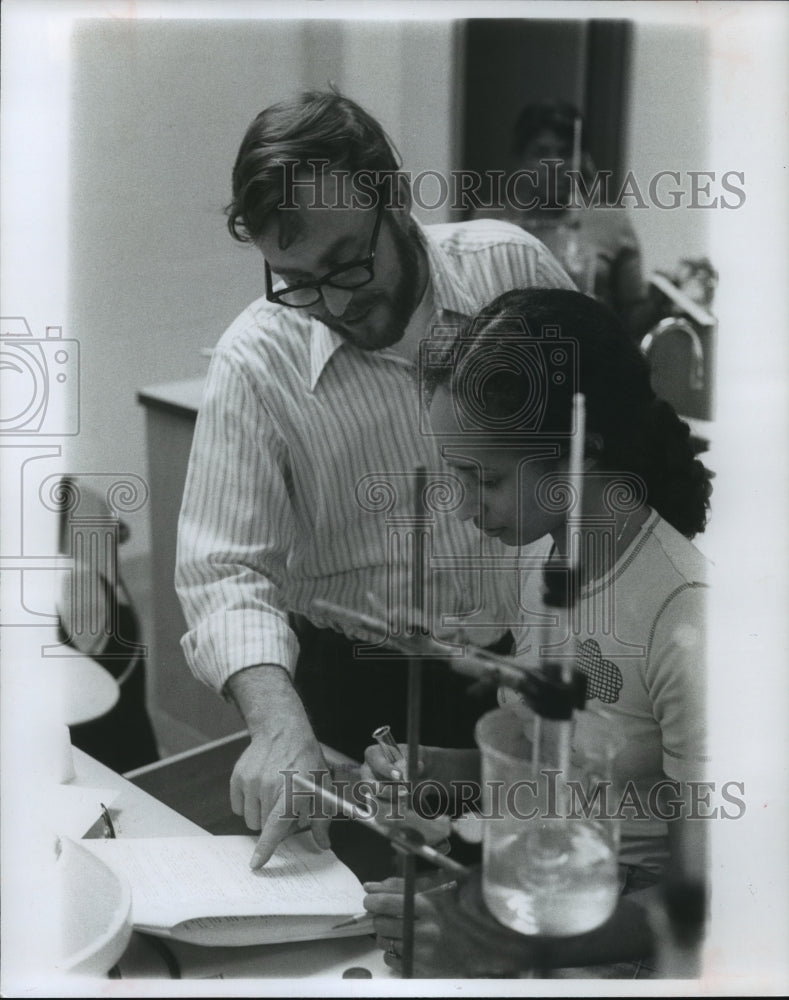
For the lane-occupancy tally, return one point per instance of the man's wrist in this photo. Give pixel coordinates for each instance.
(258, 691)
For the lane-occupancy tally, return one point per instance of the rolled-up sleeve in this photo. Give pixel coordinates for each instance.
(234, 533)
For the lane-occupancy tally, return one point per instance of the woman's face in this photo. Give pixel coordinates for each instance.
(499, 482)
(553, 184)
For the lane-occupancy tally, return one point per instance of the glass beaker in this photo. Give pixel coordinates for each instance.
(549, 863)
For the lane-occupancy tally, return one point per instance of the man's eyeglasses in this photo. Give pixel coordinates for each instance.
(352, 275)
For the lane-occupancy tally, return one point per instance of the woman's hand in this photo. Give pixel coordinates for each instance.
(446, 944)
(384, 900)
(391, 798)
(378, 767)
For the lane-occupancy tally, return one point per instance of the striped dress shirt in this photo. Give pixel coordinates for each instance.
(301, 470)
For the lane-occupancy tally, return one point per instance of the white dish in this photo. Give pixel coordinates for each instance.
(96, 912)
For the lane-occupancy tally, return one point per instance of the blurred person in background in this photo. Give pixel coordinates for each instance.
(595, 242)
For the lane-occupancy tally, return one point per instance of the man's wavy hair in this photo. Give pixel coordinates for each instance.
(302, 131)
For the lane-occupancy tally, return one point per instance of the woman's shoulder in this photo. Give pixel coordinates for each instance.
(662, 567)
(680, 553)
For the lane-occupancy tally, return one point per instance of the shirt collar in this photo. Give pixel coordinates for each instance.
(323, 343)
(449, 296)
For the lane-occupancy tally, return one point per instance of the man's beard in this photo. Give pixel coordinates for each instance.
(400, 303)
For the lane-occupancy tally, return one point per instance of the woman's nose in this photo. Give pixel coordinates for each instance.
(336, 299)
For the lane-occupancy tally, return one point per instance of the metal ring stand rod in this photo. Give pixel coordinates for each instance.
(414, 712)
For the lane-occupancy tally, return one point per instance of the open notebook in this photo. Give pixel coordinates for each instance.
(202, 890)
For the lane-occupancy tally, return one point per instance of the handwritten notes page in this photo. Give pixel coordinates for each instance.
(202, 890)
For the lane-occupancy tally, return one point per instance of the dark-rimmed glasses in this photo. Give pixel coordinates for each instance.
(348, 276)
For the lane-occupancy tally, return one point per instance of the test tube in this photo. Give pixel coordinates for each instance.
(383, 736)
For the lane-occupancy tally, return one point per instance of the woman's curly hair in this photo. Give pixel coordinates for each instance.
(638, 432)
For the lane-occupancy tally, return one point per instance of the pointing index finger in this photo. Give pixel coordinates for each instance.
(275, 829)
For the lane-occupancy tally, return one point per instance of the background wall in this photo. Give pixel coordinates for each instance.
(669, 129)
